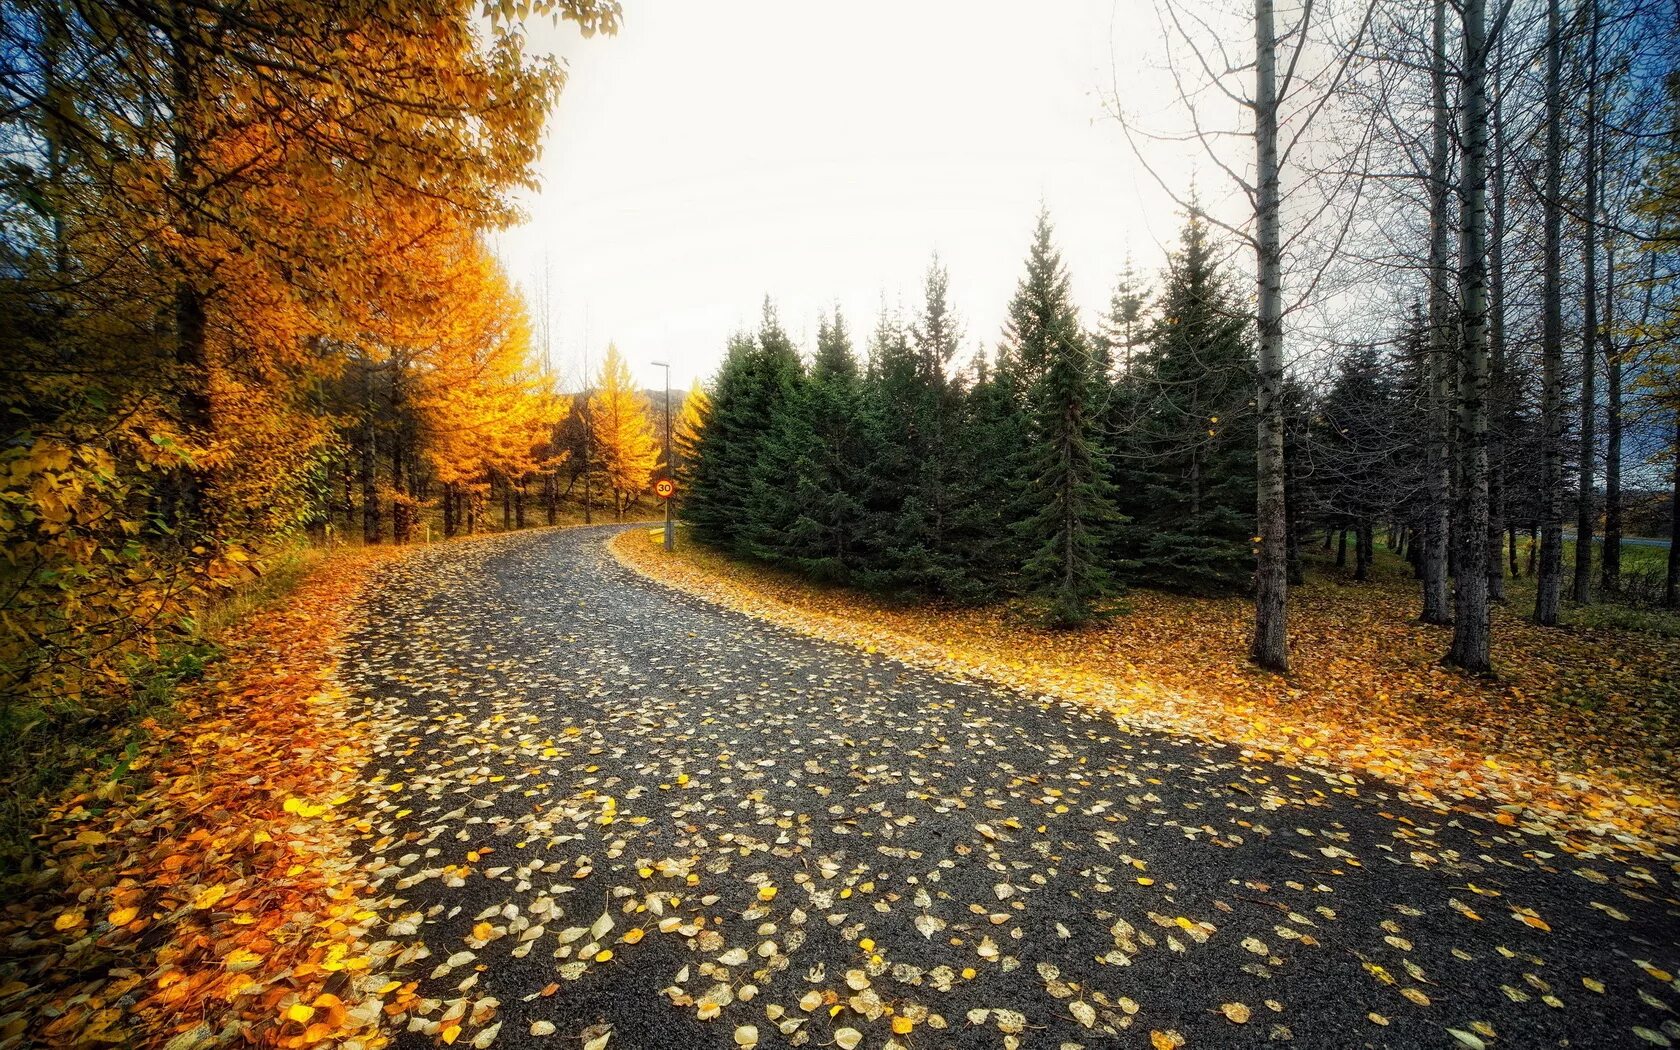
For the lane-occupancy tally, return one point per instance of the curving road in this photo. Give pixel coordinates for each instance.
(764, 819)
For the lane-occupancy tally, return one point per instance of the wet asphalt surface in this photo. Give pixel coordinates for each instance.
(563, 743)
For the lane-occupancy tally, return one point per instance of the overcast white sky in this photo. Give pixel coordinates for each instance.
(713, 153)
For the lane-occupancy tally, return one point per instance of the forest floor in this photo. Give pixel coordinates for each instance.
(1578, 730)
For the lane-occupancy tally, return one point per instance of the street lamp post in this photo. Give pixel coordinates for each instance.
(670, 529)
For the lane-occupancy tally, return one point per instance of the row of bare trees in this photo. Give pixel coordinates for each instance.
(1502, 169)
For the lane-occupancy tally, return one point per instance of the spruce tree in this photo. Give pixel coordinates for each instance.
(1355, 437)
(756, 381)
(916, 405)
(989, 486)
(1120, 331)
(889, 399)
(810, 493)
(1068, 499)
(1189, 441)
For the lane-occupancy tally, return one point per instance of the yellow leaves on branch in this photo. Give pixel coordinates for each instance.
(622, 431)
(483, 411)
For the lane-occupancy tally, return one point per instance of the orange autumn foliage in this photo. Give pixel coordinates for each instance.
(213, 886)
(623, 434)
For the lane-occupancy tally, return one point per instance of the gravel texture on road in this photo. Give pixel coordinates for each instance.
(600, 808)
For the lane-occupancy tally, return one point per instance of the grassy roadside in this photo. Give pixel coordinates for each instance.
(46, 749)
(1578, 733)
(204, 890)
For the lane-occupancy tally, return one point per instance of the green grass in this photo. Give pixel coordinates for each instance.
(1643, 570)
(48, 749)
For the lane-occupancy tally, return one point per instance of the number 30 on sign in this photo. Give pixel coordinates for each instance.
(664, 488)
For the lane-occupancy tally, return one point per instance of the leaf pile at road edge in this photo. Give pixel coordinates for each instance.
(211, 895)
(1580, 814)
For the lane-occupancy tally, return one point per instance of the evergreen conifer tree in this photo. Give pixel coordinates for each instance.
(1068, 497)
(916, 407)
(813, 488)
(989, 489)
(754, 384)
(1189, 442)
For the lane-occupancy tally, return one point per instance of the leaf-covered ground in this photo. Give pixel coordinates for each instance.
(208, 895)
(1579, 732)
(602, 813)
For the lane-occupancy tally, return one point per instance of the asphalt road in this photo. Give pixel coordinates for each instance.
(784, 819)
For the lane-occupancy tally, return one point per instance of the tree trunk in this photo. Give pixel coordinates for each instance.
(1438, 468)
(1610, 561)
(1471, 642)
(373, 529)
(1499, 394)
(402, 527)
(1362, 558)
(1671, 589)
(1270, 646)
(1586, 510)
(1341, 548)
(192, 356)
(1548, 592)
(448, 510)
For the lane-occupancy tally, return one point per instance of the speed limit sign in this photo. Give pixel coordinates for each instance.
(664, 488)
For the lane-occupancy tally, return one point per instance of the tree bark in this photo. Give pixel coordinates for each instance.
(1610, 561)
(1499, 395)
(1269, 647)
(373, 529)
(1471, 642)
(192, 356)
(1438, 464)
(1548, 591)
(1671, 588)
(1586, 510)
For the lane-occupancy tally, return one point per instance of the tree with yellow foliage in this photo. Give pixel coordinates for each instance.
(686, 431)
(626, 451)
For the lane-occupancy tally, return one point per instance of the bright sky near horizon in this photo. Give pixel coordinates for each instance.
(711, 154)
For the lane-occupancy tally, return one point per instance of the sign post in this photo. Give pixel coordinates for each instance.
(665, 488)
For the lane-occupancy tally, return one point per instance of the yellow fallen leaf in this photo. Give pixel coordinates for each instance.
(300, 1012)
(1236, 1013)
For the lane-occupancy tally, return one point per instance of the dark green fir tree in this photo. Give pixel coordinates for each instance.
(1068, 500)
(810, 484)
(754, 386)
(1187, 448)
